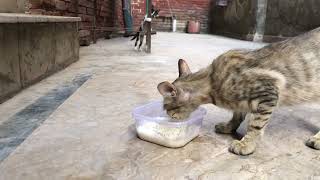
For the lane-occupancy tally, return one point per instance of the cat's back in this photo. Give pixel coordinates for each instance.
(298, 59)
(296, 62)
(297, 47)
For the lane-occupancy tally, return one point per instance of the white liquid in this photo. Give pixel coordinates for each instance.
(167, 136)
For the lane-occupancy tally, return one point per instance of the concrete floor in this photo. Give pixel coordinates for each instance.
(87, 132)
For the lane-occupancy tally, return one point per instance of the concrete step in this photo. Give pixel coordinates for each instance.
(33, 47)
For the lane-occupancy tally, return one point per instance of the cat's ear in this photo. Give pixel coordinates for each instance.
(183, 68)
(167, 89)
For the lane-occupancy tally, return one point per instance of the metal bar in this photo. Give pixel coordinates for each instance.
(149, 24)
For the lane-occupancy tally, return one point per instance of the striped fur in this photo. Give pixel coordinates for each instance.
(250, 82)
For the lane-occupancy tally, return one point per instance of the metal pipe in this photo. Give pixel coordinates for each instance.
(126, 4)
(149, 3)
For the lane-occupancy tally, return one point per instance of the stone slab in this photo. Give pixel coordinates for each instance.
(37, 51)
(67, 44)
(12, 6)
(28, 18)
(31, 51)
(9, 60)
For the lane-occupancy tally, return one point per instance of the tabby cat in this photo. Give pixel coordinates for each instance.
(252, 82)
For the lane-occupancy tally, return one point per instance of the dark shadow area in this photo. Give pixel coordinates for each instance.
(289, 18)
(236, 20)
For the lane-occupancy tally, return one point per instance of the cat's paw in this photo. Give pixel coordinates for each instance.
(242, 147)
(224, 128)
(314, 143)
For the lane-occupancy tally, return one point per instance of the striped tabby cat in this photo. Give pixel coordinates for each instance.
(250, 82)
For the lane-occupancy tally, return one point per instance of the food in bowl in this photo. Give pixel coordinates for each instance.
(154, 125)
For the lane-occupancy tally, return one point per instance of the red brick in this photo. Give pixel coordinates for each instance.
(70, 14)
(86, 3)
(85, 25)
(37, 11)
(86, 18)
(82, 10)
(90, 11)
(71, 7)
(35, 4)
(83, 33)
(61, 5)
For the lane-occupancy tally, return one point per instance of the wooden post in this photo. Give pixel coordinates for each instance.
(149, 6)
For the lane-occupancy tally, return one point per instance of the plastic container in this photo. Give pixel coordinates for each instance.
(194, 27)
(154, 125)
(174, 24)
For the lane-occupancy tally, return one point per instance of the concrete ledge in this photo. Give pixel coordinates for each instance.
(32, 51)
(28, 18)
(12, 6)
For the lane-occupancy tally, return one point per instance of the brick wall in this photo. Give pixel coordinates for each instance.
(138, 11)
(184, 10)
(118, 14)
(81, 8)
(109, 13)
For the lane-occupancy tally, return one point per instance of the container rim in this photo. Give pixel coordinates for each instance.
(190, 120)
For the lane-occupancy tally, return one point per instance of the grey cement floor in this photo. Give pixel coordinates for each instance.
(88, 133)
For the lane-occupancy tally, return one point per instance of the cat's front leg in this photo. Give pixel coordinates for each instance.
(258, 120)
(232, 125)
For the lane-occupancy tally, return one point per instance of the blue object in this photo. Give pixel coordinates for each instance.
(128, 22)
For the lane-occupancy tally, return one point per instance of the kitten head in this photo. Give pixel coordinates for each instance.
(176, 96)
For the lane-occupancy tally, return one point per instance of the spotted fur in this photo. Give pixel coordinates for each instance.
(250, 82)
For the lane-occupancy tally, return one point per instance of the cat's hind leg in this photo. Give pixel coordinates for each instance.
(137, 40)
(232, 125)
(314, 141)
(141, 41)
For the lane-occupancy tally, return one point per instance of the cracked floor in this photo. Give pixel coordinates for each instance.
(88, 132)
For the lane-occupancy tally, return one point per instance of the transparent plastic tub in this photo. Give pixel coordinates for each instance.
(154, 125)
